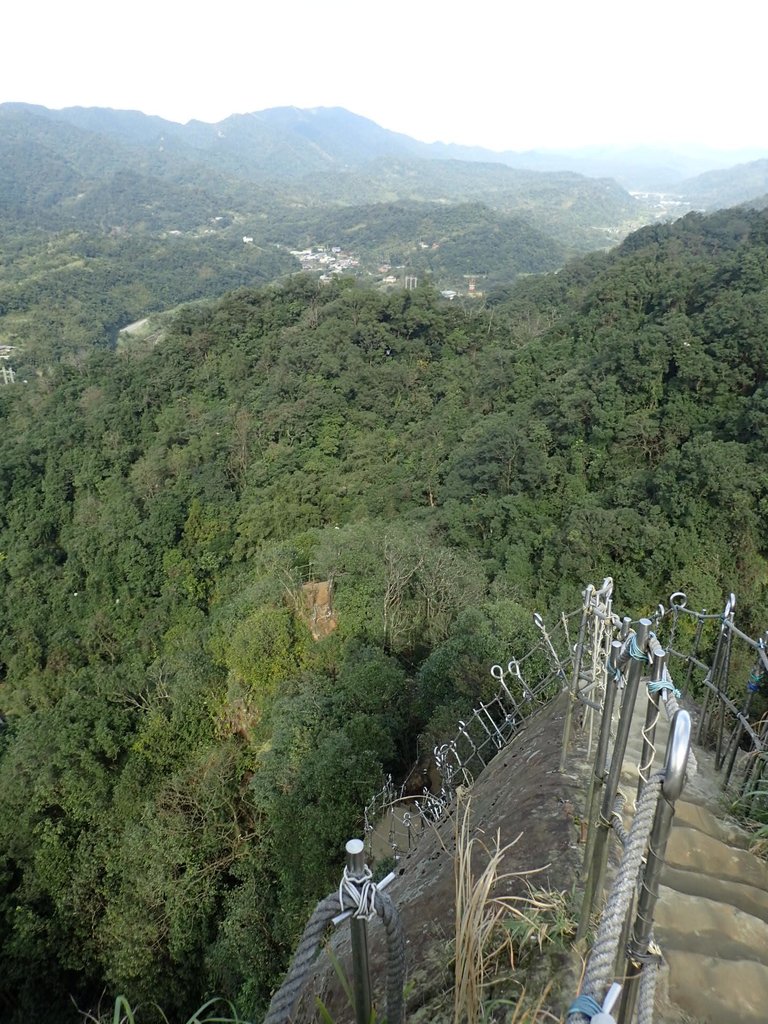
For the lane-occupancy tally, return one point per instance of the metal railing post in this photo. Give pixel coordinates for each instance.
(359, 928)
(714, 675)
(678, 747)
(597, 866)
(724, 678)
(652, 712)
(732, 749)
(600, 770)
(695, 651)
(577, 659)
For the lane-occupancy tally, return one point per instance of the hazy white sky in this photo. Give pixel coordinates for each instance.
(502, 74)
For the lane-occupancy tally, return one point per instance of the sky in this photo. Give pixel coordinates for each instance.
(504, 75)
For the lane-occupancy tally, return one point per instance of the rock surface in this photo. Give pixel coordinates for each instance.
(523, 799)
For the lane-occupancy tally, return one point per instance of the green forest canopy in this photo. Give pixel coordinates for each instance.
(182, 762)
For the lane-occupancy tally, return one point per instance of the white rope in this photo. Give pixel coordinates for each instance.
(669, 700)
(361, 890)
(648, 733)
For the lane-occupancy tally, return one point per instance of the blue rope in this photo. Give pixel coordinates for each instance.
(664, 684)
(586, 1005)
(635, 650)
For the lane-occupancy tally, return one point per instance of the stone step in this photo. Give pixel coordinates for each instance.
(693, 850)
(747, 898)
(710, 989)
(702, 925)
(697, 816)
(712, 917)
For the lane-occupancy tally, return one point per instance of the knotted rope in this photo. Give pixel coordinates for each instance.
(362, 897)
(361, 890)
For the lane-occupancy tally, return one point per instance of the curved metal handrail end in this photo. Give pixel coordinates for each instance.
(676, 762)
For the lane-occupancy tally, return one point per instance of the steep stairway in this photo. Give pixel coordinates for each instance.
(712, 914)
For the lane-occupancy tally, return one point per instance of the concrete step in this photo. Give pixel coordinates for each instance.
(698, 816)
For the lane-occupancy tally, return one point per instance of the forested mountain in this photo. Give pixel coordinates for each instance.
(582, 213)
(181, 760)
(106, 216)
(716, 189)
(285, 142)
(444, 241)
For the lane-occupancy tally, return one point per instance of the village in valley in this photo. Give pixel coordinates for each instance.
(334, 261)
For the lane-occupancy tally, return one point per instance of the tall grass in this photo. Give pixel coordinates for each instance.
(490, 927)
(124, 1013)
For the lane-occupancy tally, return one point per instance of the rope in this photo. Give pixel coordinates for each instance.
(664, 684)
(635, 650)
(617, 822)
(755, 679)
(586, 1005)
(592, 1009)
(601, 961)
(647, 994)
(284, 1001)
(361, 890)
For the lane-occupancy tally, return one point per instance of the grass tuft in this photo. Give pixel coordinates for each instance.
(489, 928)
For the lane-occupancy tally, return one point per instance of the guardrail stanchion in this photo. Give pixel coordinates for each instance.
(597, 866)
(359, 927)
(577, 659)
(600, 770)
(676, 761)
(651, 718)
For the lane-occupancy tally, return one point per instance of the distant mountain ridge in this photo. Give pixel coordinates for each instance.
(293, 141)
(327, 155)
(109, 215)
(730, 187)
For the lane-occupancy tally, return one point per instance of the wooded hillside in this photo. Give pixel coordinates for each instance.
(181, 760)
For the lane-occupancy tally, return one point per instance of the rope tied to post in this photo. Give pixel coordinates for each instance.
(636, 652)
(664, 684)
(755, 681)
(281, 1009)
(590, 1008)
(586, 1005)
(654, 955)
(361, 890)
